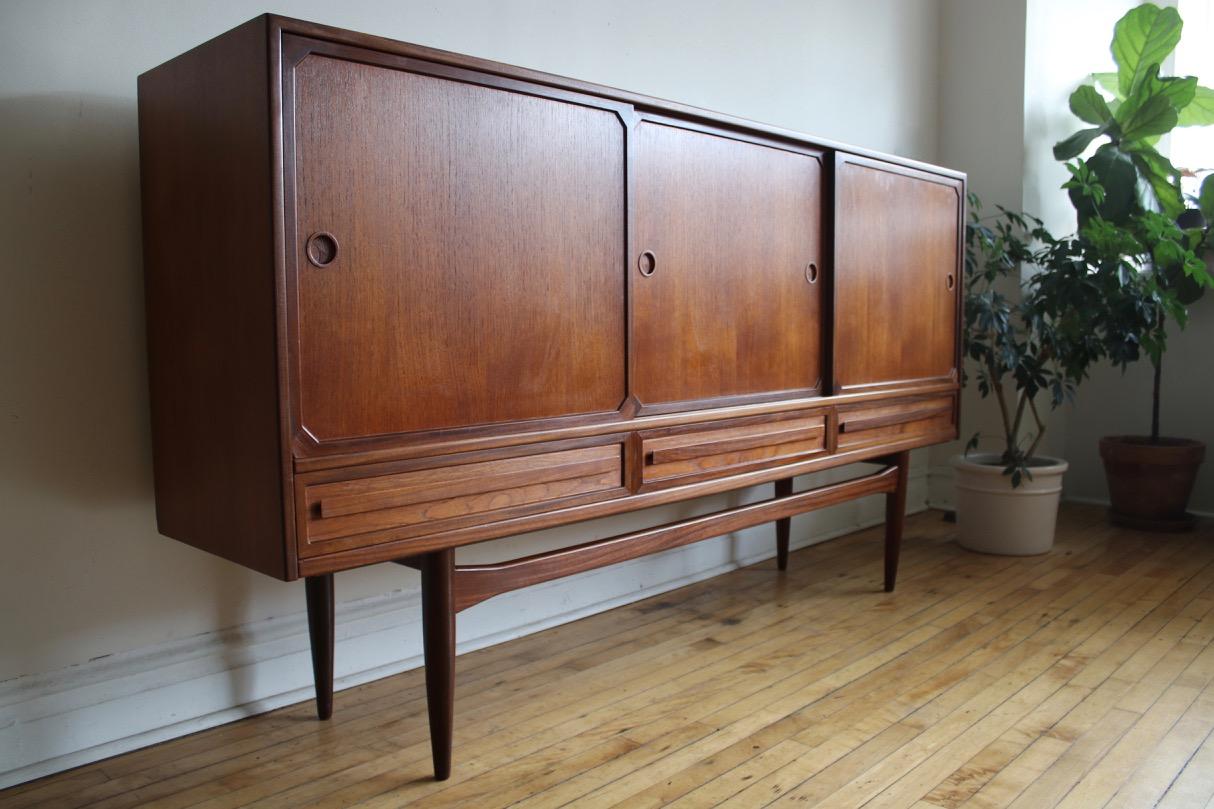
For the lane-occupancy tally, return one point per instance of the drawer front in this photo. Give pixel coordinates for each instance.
(895, 421)
(352, 513)
(711, 450)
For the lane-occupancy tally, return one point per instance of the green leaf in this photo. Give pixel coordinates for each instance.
(1143, 37)
(1199, 111)
(1205, 198)
(1116, 172)
(1075, 144)
(1179, 90)
(1188, 290)
(1162, 177)
(1109, 82)
(1089, 106)
(1167, 253)
(1152, 108)
(1155, 117)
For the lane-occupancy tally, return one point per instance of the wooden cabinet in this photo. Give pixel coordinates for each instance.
(898, 237)
(401, 300)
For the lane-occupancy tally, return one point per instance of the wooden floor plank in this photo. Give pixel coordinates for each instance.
(1161, 767)
(1194, 786)
(895, 767)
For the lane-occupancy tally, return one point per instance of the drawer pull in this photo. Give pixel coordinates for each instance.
(686, 453)
(856, 424)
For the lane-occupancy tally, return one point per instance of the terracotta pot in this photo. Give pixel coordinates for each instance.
(993, 517)
(1150, 483)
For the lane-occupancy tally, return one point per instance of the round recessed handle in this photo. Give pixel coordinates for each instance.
(321, 249)
(811, 272)
(647, 263)
(950, 281)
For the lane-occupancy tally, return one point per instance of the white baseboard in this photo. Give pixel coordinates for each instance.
(1104, 501)
(52, 722)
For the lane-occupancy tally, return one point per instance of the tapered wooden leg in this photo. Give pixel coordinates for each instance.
(783, 489)
(895, 518)
(319, 590)
(438, 628)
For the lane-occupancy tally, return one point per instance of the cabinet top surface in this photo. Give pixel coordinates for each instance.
(277, 26)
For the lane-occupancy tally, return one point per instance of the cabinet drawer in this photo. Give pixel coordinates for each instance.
(366, 510)
(895, 421)
(709, 450)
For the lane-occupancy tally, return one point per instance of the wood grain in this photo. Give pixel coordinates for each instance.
(479, 275)
(732, 225)
(438, 498)
(729, 447)
(210, 291)
(476, 583)
(402, 541)
(896, 274)
(420, 446)
(868, 425)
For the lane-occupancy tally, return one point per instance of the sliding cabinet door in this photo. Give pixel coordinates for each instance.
(896, 275)
(727, 264)
(459, 245)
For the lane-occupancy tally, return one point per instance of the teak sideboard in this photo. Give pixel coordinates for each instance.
(401, 300)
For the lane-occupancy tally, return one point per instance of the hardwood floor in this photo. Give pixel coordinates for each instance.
(1082, 678)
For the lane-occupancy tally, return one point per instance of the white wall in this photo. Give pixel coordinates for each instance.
(981, 123)
(111, 636)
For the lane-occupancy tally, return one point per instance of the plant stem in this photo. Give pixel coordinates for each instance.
(1024, 399)
(1009, 436)
(1040, 431)
(1158, 363)
(1155, 402)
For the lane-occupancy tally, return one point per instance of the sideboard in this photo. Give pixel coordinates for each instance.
(401, 300)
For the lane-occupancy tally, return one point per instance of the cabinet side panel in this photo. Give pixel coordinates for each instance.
(204, 131)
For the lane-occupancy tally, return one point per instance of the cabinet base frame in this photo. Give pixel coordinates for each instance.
(448, 588)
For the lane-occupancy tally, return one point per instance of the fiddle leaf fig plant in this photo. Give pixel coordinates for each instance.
(1143, 240)
(1143, 105)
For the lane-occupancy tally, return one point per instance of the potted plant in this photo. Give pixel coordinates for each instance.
(1025, 340)
(1148, 243)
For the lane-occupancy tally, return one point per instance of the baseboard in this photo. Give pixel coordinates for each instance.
(1103, 501)
(56, 721)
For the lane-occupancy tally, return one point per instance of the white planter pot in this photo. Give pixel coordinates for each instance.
(992, 517)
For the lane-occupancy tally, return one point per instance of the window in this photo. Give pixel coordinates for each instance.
(1193, 146)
